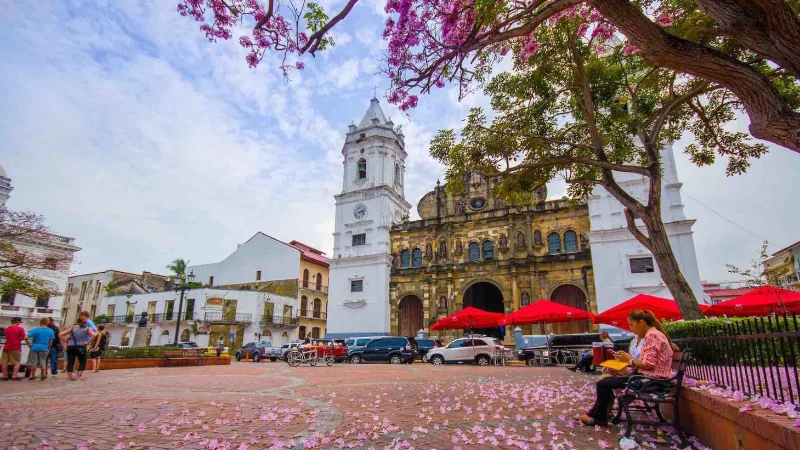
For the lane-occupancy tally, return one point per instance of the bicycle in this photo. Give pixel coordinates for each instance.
(309, 356)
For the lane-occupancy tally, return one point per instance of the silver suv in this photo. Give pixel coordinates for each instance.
(479, 350)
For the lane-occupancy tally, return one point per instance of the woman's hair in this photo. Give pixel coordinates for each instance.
(81, 322)
(650, 319)
(101, 327)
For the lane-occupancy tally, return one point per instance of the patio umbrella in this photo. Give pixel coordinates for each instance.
(663, 308)
(545, 311)
(468, 318)
(761, 301)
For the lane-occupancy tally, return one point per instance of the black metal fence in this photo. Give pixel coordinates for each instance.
(754, 355)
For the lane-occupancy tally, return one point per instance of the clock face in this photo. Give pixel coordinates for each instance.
(360, 211)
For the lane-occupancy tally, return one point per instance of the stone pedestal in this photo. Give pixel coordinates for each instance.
(140, 338)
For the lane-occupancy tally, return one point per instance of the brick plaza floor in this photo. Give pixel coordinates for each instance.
(271, 405)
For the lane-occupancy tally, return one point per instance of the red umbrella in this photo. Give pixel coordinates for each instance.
(663, 308)
(468, 318)
(761, 301)
(545, 311)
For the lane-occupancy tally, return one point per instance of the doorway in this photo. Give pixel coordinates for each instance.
(485, 296)
(409, 316)
(573, 296)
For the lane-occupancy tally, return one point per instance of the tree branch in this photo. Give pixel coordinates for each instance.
(635, 231)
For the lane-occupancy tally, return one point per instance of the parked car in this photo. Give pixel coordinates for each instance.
(391, 349)
(360, 342)
(555, 348)
(425, 345)
(258, 351)
(479, 350)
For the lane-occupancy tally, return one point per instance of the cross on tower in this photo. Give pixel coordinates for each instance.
(375, 91)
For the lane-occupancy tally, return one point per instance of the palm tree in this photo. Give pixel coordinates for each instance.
(178, 267)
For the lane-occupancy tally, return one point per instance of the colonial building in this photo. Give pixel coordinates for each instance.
(61, 249)
(313, 287)
(783, 267)
(471, 249)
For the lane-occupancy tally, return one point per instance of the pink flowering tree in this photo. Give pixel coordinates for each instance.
(747, 46)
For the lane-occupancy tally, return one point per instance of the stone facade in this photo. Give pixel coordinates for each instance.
(433, 261)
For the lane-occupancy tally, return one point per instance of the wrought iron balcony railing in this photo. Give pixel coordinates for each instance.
(220, 317)
(279, 320)
(312, 285)
(313, 315)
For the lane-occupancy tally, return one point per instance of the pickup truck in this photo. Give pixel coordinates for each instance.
(258, 351)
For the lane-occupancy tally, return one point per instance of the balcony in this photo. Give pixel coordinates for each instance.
(28, 312)
(280, 321)
(312, 286)
(313, 315)
(227, 318)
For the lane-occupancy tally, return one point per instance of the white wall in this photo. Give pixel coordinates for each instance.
(275, 259)
(613, 246)
(359, 313)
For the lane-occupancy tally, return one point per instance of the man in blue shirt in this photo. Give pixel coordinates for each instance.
(40, 340)
(89, 323)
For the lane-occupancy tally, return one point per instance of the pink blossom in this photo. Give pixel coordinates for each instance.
(630, 50)
(665, 19)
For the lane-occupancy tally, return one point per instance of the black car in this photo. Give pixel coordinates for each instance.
(391, 349)
(425, 345)
(555, 350)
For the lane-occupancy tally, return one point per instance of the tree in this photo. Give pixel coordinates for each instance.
(568, 111)
(178, 267)
(746, 46)
(754, 275)
(24, 258)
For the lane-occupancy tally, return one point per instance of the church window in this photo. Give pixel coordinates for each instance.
(554, 243)
(488, 250)
(460, 206)
(396, 173)
(359, 239)
(416, 258)
(642, 265)
(362, 169)
(357, 286)
(537, 237)
(474, 251)
(477, 203)
(571, 241)
(405, 258)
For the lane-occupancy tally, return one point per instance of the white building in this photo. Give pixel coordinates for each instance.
(372, 199)
(206, 314)
(61, 248)
(622, 266)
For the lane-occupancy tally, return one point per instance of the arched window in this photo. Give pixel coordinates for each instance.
(319, 281)
(266, 334)
(554, 243)
(317, 308)
(301, 332)
(305, 278)
(488, 250)
(405, 258)
(416, 258)
(474, 251)
(396, 173)
(315, 333)
(303, 306)
(362, 169)
(126, 339)
(185, 335)
(570, 241)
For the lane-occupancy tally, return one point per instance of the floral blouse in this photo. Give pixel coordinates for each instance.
(657, 352)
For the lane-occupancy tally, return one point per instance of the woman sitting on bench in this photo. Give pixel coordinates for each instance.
(655, 361)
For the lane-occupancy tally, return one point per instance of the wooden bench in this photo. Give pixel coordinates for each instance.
(183, 358)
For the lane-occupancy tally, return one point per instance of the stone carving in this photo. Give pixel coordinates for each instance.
(443, 248)
(503, 242)
(442, 305)
(428, 250)
(459, 248)
(526, 299)
(520, 239)
(537, 238)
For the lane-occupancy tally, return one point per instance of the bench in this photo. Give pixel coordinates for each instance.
(646, 394)
(183, 357)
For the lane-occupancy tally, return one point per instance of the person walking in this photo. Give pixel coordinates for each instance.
(42, 338)
(12, 350)
(76, 339)
(220, 343)
(99, 346)
(56, 349)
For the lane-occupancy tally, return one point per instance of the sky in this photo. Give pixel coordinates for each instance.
(129, 131)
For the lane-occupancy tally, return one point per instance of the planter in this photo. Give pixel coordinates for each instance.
(139, 363)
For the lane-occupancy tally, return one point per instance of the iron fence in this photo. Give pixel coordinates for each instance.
(228, 318)
(754, 355)
(279, 320)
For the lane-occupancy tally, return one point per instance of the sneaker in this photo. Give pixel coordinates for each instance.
(54, 374)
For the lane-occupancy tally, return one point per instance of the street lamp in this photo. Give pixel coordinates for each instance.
(182, 286)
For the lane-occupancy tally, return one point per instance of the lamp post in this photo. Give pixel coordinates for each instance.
(182, 286)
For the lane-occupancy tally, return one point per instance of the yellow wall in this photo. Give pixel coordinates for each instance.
(308, 321)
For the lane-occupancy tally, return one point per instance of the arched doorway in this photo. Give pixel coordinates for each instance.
(164, 339)
(571, 295)
(185, 335)
(409, 316)
(488, 297)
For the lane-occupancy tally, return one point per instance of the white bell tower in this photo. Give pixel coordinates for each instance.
(370, 203)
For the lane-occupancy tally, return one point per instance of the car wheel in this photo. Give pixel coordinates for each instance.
(256, 357)
(395, 359)
(482, 360)
(355, 359)
(425, 358)
(437, 360)
(530, 361)
(273, 359)
(238, 356)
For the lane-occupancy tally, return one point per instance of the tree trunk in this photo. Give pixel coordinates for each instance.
(659, 245)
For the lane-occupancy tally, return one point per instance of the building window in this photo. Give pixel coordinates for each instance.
(258, 275)
(642, 265)
(317, 306)
(303, 306)
(92, 310)
(319, 282)
(110, 311)
(211, 281)
(97, 290)
(416, 258)
(126, 339)
(301, 333)
(357, 286)
(189, 314)
(8, 299)
(359, 239)
(50, 263)
(315, 333)
(474, 251)
(554, 243)
(571, 241)
(488, 250)
(305, 278)
(43, 301)
(362, 169)
(405, 258)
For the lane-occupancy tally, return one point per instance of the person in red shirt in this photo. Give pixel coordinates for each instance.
(12, 350)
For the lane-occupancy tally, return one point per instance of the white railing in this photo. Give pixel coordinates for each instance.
(28, 311)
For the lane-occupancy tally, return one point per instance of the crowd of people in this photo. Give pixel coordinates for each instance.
(82, 342)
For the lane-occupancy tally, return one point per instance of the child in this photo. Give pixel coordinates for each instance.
(41, 339)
